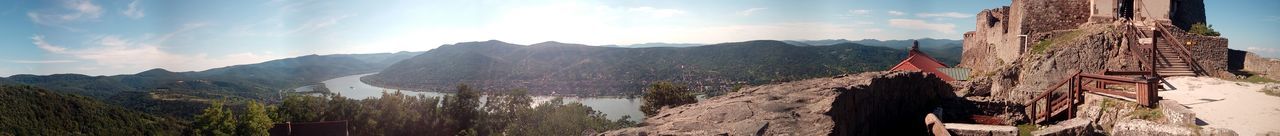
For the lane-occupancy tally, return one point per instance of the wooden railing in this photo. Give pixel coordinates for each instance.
(1181, 49)
(1055, 103)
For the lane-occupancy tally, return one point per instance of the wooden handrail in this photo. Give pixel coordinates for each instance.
(1052, 89)
(1186, 53)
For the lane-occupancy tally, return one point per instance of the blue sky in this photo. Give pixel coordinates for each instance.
(109, 37)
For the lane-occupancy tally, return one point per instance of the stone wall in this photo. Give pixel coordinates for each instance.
(1187, 12)
(1209, 51)
(1265, 67)
(981, 52)
(1049, 15)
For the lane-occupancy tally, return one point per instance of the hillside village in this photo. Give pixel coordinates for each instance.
(1035, 67)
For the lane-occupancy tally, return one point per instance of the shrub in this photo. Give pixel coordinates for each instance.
(1204, 29)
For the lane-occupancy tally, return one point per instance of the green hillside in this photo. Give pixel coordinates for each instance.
(34, 111)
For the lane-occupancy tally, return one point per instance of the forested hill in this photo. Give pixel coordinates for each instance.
(33, 111)
(562, 68)
(252, 81)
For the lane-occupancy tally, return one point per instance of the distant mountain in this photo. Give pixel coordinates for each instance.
(34, 111)
(655, 44)
(561, 68)
(947, 51)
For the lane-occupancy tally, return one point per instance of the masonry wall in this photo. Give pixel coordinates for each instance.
(1209, 51)
(981, 52)
(1049, 15)
(1187, 12)
(1265, 67)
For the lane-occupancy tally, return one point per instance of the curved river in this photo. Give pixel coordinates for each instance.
(614, 108)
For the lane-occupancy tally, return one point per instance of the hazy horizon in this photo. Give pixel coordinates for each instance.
(110, 37)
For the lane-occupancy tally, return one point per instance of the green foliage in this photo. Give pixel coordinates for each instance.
(30, 110)
(1150, 114)
(665, 94)
(1259, 79)
(1203, 29)
(462, 107)
(1045, 44)
(215, 121)
(547, 68)
(255, 121)
(507, 113)
(1025, 129)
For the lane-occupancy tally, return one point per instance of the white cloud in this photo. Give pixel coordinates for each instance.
(1261, 49)
(657, 13)
(322, 22)
(39, 41)
(115, 55)
(751, 11)
(945, 15)
(863, 22)
(860, 12)
(133, 11)
(40, 61)
(922, 25)
(896, 13)
(73, 10)
(1272, 18)
(873, 30)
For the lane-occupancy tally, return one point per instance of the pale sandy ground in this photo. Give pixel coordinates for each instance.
(1233, 105)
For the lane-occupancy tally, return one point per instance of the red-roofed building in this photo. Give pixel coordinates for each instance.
(917, 60)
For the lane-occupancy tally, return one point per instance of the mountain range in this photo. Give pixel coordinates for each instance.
(564, 68)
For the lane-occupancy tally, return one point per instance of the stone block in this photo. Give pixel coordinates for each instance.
(1137, 127)
(1071, 127)
(1177, 114)
(961, 129)
(1210, 131)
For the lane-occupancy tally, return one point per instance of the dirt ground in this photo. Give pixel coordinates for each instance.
(1233, 105)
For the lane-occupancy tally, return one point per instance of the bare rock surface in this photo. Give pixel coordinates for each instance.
(961, 129)
(1071, 127)
(1177, 114)
(872, 103)
(1137, 127)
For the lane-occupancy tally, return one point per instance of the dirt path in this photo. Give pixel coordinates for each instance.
(1233, 105)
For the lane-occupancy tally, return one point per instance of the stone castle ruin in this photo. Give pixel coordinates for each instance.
(1005, 34)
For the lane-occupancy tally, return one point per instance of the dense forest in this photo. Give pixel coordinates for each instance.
(463, 113)
(34, 111)
(561, 68)
(183, 94)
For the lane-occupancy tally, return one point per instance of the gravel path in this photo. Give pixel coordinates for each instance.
(1233, 105)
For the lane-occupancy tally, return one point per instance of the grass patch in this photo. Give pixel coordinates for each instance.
(1259, 79)
(1149, 114)
(1271, 92)
(1025, 129)
(1043, 45)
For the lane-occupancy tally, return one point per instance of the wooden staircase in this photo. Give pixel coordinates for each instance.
(1170, 62)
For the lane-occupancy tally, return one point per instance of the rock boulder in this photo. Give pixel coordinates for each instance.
(872, 103)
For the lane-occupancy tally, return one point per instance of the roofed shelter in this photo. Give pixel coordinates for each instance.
(917, 60)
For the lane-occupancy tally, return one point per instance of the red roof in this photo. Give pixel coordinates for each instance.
(917, 60)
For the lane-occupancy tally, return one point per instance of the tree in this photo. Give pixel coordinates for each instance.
(255, 121)
(215, 121)
(462, 106)
(1204, 29)
(665, 94)
(506, 110)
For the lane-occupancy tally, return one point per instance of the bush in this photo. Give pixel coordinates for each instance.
(665, 94)
(1204, 29)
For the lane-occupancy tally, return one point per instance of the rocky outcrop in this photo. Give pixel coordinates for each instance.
(1262, 66)
(872, 103)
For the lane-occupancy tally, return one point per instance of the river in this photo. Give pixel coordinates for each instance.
(612, 107)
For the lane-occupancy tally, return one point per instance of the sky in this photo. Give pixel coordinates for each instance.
(111, 37)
